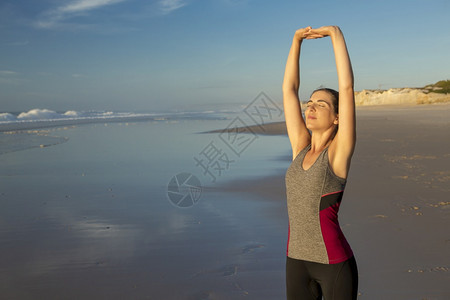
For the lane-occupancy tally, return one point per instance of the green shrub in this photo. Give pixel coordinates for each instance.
(441, 87)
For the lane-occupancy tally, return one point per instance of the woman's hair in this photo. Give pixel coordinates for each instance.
(334, 94)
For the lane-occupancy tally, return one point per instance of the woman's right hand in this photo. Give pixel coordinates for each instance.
(302, 33)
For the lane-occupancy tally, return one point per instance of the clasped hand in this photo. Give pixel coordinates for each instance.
(310, 33)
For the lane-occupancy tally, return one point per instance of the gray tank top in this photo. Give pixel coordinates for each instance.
(313, 199)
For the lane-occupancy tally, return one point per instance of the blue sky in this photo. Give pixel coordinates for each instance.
(134, 55)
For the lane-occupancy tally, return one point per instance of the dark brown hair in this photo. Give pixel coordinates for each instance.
(334, 94)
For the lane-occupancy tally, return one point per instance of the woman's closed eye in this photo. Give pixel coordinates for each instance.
(308, 105)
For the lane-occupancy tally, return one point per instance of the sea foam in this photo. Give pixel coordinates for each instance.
(41, 118)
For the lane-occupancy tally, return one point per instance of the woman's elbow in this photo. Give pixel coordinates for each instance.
(347, 89)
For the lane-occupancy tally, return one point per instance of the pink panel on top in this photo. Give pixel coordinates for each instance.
(337, 247)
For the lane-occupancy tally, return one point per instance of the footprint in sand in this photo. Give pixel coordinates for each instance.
(230, 269)
(433, 269)
(380, 216)
(226, 270)
(251, 247)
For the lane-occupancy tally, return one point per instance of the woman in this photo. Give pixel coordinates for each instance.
(319, 262)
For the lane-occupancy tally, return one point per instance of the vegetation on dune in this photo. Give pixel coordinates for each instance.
(441, 87)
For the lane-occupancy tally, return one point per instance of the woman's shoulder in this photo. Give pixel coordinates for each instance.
(338, 161)
(301, 149)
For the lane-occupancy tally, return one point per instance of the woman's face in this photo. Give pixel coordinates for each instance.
(319, 113)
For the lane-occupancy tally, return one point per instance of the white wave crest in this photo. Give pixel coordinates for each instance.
(74, 114)
(38, 114)
(39, 118)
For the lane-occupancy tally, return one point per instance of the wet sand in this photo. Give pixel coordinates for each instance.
(396, 209)
(90, 218)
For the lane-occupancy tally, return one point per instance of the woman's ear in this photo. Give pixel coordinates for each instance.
(336, 121)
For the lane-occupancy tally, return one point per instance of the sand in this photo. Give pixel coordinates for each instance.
(396, 208)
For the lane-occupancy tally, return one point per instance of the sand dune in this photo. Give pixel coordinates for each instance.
(399, 96)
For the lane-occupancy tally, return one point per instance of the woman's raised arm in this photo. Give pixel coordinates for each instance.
(298, 133)
(343, 144)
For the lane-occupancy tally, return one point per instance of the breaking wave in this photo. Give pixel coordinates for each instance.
(40, 118)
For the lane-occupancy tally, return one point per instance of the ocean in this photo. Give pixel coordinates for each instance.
(104, 205)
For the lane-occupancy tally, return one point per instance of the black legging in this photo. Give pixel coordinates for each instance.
(310, 281)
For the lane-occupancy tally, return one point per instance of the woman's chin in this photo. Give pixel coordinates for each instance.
(310, 126)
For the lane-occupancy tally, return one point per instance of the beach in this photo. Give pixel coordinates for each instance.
(90, 218)
(396, 209)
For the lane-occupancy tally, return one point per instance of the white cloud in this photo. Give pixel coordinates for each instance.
(10, 77)
(53, 18)
(86, 5)
(18, 43)
(59, 17)
(7, 73)
(167, 6)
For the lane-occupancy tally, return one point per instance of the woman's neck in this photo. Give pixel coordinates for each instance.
(321, 140)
